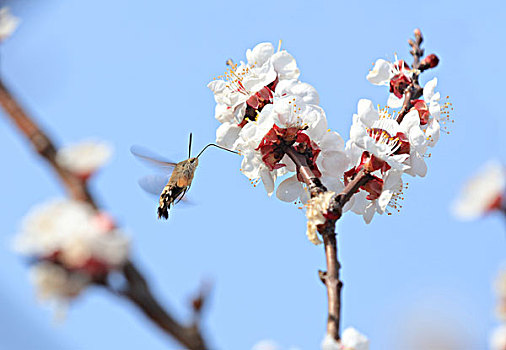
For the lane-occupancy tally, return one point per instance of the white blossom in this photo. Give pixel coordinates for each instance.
(84, 158)
(387, 149)
(74, 232)
(8, 23)
(482, 193)
(248, 87)
(291, 113)
(401, 145)
(393, 75)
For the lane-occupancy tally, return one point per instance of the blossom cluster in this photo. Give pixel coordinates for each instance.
(263, 109)
(268, 114)
(71, 243)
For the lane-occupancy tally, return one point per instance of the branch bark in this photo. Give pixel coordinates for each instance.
(137, 290)
(331, 277)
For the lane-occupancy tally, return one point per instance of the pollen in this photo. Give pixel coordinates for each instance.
(445, 118)
(397, 198)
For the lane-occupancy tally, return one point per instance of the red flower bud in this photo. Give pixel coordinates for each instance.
(430, 61)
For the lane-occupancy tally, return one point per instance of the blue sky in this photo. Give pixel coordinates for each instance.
(136, 73)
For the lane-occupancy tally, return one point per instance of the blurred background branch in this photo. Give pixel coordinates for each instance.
(137, 289)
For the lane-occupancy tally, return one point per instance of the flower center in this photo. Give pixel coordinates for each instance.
(397, 144)
(274, 144)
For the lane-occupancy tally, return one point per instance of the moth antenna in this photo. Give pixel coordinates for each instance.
(190, 147)
(215, 145)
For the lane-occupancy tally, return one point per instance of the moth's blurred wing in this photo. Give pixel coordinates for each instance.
(151, 158)
(153, 184)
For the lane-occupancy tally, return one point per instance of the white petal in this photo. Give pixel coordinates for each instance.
(369, 213)
(267, 179)
(289, 190)
(366, 112)
(285, 65)
(418, 165)
(260, 54)
(360, 203)
(217, 86)
(410, 120)
(394, 101)
(428, 89)
(333, 184)
(303, 91)
(332, 141)
(435, 109)
(315, 118)
(381, 73)
(432, 132)
(239, 112)
(227, 134)
(304, 197)
(223, 113)
(333, 163)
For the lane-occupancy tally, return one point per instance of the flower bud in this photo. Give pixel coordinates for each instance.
(430, 61)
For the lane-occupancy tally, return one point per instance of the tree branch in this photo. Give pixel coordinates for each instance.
(331, 277)
(414, 90)
(137, 290)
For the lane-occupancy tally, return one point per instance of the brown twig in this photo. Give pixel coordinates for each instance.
(137, 290)
(414, 90)
(331, 277)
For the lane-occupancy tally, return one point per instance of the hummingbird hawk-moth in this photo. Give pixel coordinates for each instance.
(171, 191)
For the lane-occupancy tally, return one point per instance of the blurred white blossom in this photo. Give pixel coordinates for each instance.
(266, 344)
(482, 193)
(500, 289)
(351, 339)
(8, 23)
(330, 343)
(498, 338)
(74, 234)
(85, 157)
(55, 283)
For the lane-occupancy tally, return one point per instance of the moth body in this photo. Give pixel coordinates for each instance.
(179, 182)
